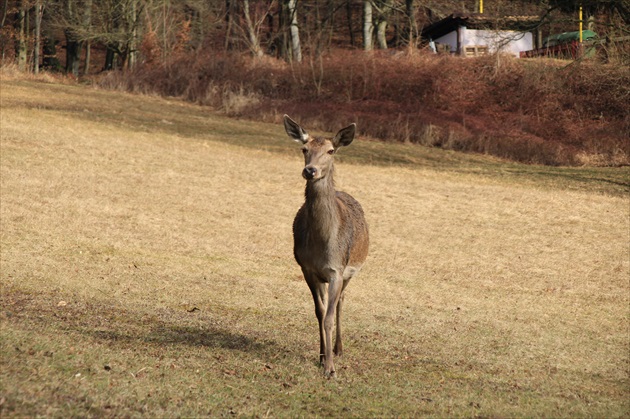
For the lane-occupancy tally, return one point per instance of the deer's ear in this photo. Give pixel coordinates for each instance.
(345, 136)
(295, 131)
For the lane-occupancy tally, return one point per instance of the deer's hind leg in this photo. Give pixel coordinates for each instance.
(348, 273)
(338, 349)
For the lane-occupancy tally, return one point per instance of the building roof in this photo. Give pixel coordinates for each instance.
(479, 21)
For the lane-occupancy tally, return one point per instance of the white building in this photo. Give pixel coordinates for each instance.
(477, 34)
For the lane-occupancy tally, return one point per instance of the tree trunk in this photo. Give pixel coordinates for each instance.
(110, 56)
(412, 29)
(384, 8)
(230, 11)
(88, 56)
(349, 17)
(254, 43)
(296, 48)
(87, 22)
(21, 44)
(132, 45)
(73, 44)
(283, 48)
(368, 26)
(5, 11)
(39, 12)
(49, 49)
(381, 29)
(73, 53)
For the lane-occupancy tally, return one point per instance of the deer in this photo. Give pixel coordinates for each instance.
(330, 235)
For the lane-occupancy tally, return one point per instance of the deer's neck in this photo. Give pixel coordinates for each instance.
(322, 208)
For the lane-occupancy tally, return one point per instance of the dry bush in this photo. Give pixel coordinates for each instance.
(11, 72)
(533, 111)
(206, 79)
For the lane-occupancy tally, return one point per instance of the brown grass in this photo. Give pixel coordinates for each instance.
(146, 270)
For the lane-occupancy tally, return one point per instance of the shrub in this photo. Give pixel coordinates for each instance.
(534, 111)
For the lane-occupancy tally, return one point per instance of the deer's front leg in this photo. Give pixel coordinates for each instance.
(318, 290)
(335, 287)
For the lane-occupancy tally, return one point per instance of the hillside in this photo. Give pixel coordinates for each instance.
(532, 111)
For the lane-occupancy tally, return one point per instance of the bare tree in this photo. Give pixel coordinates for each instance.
(230, 15)
(384, 8)
(412, 25)
(21, 47)
(254, 25)
(115, 23)
(75, 32)
(368, 25)
(39, 13)
(254, 43)
(349, 20)
(296, 48)
(87, 21)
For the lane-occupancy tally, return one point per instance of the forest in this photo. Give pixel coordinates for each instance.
(331, 60)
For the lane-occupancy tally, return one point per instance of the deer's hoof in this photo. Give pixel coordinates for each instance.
(331, 375)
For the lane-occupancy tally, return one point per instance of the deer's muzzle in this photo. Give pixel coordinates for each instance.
(309, 172)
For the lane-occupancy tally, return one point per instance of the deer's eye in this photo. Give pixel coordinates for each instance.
(331, 151)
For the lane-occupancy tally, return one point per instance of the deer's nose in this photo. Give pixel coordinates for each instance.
(309, 172)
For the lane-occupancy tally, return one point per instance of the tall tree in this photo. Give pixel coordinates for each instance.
(116, 25)
(87, 22)
(368, 26)
(21, 43)
(384, 8)
(411, 24)
(70, 15)
(349, 20)
(296, 47)
(230, 17)
(50, 61)
(254, 23)
(39, 13)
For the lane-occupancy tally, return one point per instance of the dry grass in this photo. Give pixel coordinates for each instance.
(146, 271)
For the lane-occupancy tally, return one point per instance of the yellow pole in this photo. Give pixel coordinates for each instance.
(480, 6)
(580, 24)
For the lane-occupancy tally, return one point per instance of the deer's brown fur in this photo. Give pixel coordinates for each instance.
(330, 234)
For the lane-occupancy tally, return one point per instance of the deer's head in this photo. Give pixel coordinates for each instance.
(318, 152)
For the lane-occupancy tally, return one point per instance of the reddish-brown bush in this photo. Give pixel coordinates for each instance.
(535, 111)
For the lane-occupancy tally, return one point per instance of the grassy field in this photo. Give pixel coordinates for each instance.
(147, 271)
